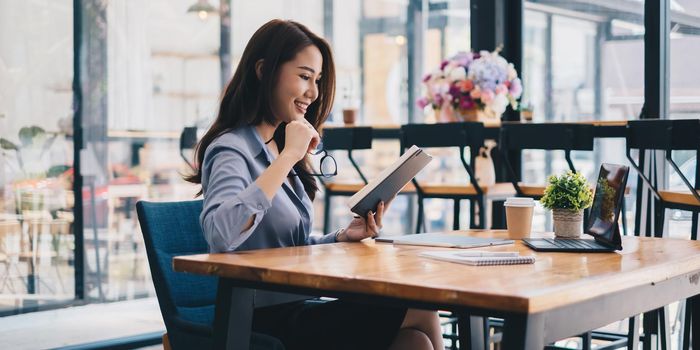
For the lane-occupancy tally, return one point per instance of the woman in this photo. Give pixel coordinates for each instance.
(258, 188)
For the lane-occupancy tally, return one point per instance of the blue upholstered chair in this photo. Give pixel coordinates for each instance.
(186, 301)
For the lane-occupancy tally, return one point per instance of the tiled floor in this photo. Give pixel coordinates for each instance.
(81, 324)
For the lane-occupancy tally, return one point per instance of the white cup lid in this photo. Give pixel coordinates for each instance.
(519, 202)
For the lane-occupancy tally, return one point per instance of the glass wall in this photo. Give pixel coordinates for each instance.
(152, 69)
(685, 99)
(36, 154)
(582, 62)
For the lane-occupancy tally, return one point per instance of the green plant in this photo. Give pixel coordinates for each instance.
(34, 142)
(568, 191)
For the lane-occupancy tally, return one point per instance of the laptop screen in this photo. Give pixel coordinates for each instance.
(608, 197)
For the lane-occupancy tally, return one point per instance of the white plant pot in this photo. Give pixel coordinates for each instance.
(567, 223)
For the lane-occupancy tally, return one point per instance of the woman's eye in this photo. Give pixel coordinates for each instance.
(305, 77)
(318, 81)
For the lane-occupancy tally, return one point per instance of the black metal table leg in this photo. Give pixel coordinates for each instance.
(694, 314)
(523, 332)
(233, 316)
(633, 333)
(471, 332)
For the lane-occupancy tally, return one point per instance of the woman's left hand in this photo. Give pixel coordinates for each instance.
(361, 228)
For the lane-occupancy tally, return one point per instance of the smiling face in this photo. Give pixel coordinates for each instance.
(297, 86)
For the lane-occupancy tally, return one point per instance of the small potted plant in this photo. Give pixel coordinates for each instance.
(567, 196)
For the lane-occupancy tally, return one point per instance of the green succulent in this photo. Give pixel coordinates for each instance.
(568, 191)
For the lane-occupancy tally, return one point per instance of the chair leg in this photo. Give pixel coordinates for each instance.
(326, 212)
(694, 226)
(687, 324)
(482, 213)
(623, 212)
(633, 333)
(455, 214)
(419, 222)
(664, 328)
(650, 329)
(659, 222)
(472, 214)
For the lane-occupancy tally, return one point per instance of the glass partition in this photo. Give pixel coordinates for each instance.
(36, 155)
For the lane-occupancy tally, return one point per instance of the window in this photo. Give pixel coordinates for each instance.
(582, 61)
(36, 154)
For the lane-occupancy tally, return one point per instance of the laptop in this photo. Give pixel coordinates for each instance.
(603, 221)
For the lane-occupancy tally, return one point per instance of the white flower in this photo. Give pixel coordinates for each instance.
(512, 73)
(457, 74)
(499, 103)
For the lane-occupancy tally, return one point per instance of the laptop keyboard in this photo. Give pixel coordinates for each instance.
(574, 243)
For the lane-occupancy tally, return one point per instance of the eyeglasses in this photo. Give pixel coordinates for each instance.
(328, 167)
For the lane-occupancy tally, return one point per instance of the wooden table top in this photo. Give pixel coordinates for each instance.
(381, 269)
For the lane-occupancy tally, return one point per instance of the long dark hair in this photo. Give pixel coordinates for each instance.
(247, 100)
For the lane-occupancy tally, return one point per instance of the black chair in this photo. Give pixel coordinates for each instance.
(344, 139)
(461, 136)
(668, 136)
(547, 137)
(186, 301)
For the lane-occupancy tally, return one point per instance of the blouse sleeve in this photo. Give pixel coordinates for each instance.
(231, 198)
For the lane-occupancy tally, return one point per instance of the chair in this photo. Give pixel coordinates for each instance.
(548, 137)
(344, 139)
(460, 136)
(668, 136)
(186, 301)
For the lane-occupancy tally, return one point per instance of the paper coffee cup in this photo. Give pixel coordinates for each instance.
(519, 216)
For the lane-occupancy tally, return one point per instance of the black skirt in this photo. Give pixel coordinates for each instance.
(337, 324)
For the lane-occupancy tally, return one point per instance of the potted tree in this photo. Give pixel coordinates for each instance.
(567, 196)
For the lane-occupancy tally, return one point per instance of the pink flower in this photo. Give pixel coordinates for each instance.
(501, 89)
(487, 96)
(466, 85)
(516, 88)
(476, 93)
(427, 77)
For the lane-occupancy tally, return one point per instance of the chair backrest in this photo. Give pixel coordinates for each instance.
(348, 138)
(464, 134)
(669, 135)
(546, 136)
(186, 301)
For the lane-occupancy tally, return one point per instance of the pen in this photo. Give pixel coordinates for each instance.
(485, 254)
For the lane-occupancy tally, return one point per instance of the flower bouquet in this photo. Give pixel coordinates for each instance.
(472, 86)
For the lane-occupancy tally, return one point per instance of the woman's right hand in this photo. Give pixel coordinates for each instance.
(300, 138)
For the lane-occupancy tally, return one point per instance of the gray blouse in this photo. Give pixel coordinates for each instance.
(231, 164)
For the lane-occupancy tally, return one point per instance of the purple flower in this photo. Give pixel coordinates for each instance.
(422, 102)
(443, 64)
(427, 77)
(466, 102)
(438, 100)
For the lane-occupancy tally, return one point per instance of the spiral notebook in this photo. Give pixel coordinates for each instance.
(461, 258)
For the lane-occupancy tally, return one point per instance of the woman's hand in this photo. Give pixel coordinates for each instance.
(300, 138)
(361, 228)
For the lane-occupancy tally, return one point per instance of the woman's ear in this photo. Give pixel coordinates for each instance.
(258, 68)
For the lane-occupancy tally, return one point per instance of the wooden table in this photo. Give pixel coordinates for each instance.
(561, 295)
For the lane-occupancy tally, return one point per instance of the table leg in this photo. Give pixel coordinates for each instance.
(694, 314)
(233, 316)
(471, 332)
(633, 333)
(524, 332)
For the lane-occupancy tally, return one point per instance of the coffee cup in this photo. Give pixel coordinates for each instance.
(519, 216)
